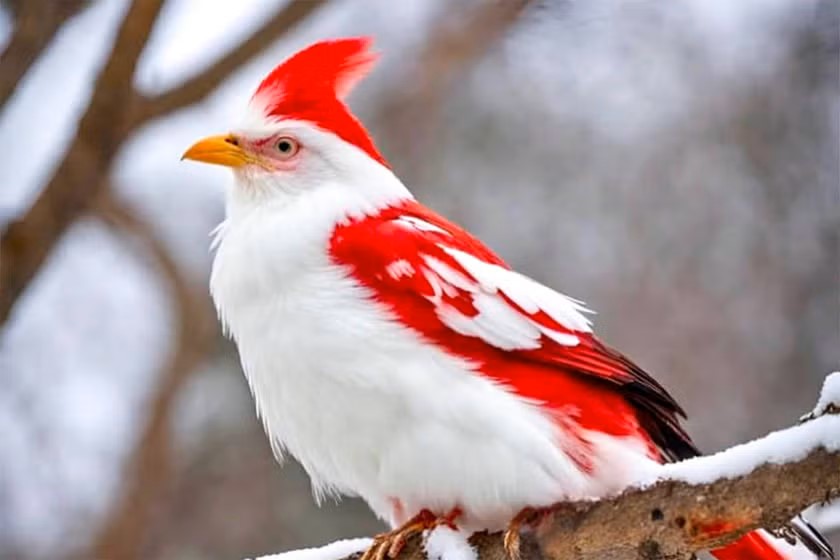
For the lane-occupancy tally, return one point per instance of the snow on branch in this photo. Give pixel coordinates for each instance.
(693, 505)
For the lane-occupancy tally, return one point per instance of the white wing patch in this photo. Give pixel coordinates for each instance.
(399, 268)
(506, 302)
(528, 294)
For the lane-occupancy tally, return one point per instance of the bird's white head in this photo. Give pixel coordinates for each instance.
(299, 138)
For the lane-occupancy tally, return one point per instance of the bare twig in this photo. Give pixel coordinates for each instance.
(27, 242)
(149, 469)
(200, 86)
(36, 23)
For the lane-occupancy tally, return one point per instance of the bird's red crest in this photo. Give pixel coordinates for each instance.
(311, 86)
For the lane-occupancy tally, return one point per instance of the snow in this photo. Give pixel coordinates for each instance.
(333, 551)
(784, 446)
(444, 543)
(830, 394)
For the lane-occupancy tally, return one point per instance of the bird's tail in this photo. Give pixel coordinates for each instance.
(797, 541)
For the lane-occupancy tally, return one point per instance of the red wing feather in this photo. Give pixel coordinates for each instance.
(450, 288)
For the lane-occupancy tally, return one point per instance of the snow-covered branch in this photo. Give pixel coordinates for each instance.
(693, 505)
(709, 501)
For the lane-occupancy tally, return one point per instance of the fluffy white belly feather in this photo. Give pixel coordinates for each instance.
(370, 409)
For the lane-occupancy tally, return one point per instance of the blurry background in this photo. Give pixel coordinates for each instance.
(674, 164)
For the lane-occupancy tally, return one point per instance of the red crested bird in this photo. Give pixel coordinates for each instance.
(396, 356)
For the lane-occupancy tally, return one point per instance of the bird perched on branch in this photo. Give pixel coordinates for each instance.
(396, 356)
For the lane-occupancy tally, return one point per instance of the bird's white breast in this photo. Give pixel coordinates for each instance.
(365, 404)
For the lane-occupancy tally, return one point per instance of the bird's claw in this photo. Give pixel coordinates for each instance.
(528, 517)
(390, 544)
(511, 543)
(378, 550)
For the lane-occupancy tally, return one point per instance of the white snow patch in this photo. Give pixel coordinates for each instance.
(785, 446)
(332, 551)
(444, 543)
(830, 394)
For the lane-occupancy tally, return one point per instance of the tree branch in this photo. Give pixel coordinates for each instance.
(27, 241)
(149, 468)
(36, 23)
(195, 89)
(674, 519)
(762, 484)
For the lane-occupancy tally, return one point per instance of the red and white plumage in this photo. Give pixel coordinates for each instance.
(391, 352)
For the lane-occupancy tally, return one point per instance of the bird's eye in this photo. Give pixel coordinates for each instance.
(287, 147)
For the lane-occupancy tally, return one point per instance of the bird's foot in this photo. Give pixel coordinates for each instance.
(528, 517)
(390, 544)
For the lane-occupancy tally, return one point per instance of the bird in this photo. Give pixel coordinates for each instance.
(395, 355)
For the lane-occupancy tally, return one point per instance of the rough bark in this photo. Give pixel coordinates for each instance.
(676, 519)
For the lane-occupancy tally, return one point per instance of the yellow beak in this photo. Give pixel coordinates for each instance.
(221, 150)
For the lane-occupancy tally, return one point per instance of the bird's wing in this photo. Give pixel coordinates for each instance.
(452, 289)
